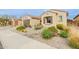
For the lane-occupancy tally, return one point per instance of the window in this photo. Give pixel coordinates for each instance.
(60, 18)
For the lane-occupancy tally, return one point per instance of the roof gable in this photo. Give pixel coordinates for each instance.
(76, 16)
(55, 11)
(60, 10)
(48, 11)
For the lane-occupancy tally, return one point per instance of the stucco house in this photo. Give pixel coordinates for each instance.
(76, 20)
(30, 21)
(70, 22)
(48, 18)
(15, 22)
(53, 17)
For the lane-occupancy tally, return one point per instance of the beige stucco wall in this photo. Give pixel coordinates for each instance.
(19, 23)
(55, 15)
(64, 17)
(25, 18)
(32, 21)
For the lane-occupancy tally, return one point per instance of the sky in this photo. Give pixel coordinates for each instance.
(34, 12)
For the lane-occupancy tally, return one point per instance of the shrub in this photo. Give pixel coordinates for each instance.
(74, 42)
(38, 26)
(21, 28)
(53, 30)
(46, 34)
(63, 34)
(60, 26)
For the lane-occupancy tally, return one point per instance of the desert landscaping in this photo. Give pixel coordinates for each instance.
(51, 30)
(56, 41)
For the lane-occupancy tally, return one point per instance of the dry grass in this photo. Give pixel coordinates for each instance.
(74, 37)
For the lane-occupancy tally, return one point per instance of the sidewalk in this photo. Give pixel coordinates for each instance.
(12, 40)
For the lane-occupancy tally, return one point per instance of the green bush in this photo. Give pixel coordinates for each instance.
(74, 42)
(46, 34)
(60, 26)
(21, 28)
(38, 26)
(63, 34)
(53, 30)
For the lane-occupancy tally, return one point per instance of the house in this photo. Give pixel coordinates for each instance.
(15, 22)
(53, 17)
(30, 21)
(70, 22)
(76, 20)
(48, 18)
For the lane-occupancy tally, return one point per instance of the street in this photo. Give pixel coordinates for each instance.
(12, 40)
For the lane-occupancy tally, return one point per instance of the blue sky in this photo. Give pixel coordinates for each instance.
(35, 12)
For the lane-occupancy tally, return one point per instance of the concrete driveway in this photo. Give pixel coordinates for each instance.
(12, 40)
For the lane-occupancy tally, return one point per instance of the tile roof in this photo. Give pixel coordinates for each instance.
(76, 16)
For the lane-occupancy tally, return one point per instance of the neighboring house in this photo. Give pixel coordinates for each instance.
(54, 17)
(30, 21)
(70, 22)
(19, 22)
(15, 22)
(76, 20)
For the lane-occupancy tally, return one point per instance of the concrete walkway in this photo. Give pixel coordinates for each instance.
(12, 40)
